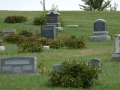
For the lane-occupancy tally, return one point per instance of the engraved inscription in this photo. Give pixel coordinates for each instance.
(7, 68)
(27, 67)
(17, 62)
(17, 69)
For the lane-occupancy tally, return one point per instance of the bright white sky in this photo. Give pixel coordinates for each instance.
(34, 5)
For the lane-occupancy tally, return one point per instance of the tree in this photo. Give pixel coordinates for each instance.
(95, 5)
(43, 4)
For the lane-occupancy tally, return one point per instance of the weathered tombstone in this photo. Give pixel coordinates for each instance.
(57, 67)
(100, 31)
(116, 54)
(53, 18)
(18, 65)
(7, 32)
(0, 43)
(48, 31)
(95, 62)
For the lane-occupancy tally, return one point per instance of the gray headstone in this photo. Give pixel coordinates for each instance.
(0, 43)
(48, 31)
(116, 54)
(7, 32)
(53, 18)
(95, 62)
(19, 65)
(100, 31)
(100, 25)
(57, 67)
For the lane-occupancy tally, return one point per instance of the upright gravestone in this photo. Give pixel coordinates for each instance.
(116, 54)
(48, 31)
(18, 65)
(100, 31)
(53, 18)
(7, 32)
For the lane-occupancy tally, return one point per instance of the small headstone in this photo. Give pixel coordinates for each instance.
(0, 43)
(100, 31)
(48, 31)
(46, 47)
(57, 67)
(19, 65)
(72, 26)
(7, 32)
(53, 18)
(116, 54)
(2, 48)
(59, 28)
(95, 62)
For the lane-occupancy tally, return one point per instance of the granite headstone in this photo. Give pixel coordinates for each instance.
(7, 32)
(48, 31)
(19, 65)
(100, 31)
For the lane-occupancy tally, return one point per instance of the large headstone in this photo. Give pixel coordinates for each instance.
(7, 32)
(19, 65)
(53, 18)
(48, 31)
(116, 54)
(100, 31)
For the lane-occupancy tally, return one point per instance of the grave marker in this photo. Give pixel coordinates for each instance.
(18, 65)
(7, 32)
(100, 31)
(48, 31)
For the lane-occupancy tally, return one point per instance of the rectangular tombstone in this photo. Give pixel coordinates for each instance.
(0, 43)
(100, 25)
(7, 32)
(57, 67)
(48, 31)
(18, 65)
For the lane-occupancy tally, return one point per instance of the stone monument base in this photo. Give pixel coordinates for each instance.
(115, 57)
(100, 38)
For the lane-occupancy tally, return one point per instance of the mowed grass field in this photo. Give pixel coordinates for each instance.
(109, 79)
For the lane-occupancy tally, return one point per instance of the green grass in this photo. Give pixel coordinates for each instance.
(110, 76)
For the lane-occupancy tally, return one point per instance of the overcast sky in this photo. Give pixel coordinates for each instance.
(30, 5)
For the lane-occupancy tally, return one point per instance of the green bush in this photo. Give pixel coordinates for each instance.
(40, 20)
(30, 45)
(75, 75)
(11, 38)
(15, 19)
(56, 44)
(25, 33)
(75, 43)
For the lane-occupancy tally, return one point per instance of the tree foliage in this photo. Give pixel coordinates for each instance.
(95, 5)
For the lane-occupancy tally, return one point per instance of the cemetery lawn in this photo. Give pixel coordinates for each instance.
(108, 79)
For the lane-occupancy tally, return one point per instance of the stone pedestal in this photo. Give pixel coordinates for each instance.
(100, 36)
(116, 54)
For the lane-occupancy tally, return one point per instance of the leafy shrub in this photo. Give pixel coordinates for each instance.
(11, 38)
(40, 20)
(75, 43)
(57, 44)
(25, 33)
(75, 74)
(15, 19)
(30, 45)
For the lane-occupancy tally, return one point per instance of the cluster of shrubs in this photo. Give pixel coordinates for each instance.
(29, 42)
(15, 19)
(75, 75)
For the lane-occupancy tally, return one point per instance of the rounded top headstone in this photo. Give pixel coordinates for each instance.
(53, 13)
(100, 20)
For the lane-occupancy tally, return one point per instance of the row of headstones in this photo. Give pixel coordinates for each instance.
(28, 65)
